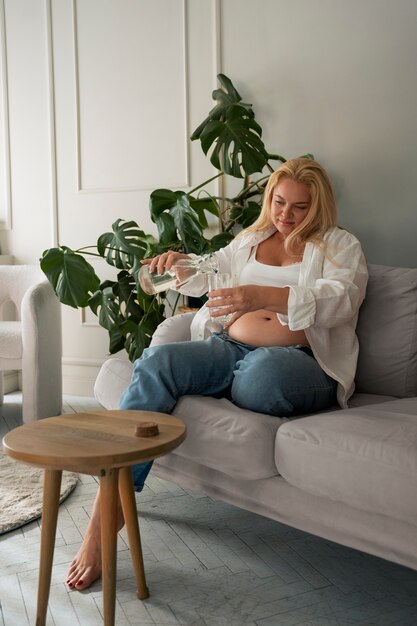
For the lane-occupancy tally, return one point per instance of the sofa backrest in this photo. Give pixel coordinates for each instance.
(387, 332)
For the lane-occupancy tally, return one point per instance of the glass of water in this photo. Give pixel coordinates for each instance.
(220, 280)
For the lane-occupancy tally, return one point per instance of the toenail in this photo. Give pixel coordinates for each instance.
(80, 582)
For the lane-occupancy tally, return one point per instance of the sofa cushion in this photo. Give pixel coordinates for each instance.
(364, 457)
(363, 399)
(387, 332)
(222, 436)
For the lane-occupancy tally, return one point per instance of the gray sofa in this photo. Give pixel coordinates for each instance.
(347, 475)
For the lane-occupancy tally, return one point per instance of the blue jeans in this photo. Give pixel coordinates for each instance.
(274, 380)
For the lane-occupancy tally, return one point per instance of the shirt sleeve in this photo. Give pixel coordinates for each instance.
(336, 293)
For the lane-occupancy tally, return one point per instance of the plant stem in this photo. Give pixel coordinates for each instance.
(205, 183)
(85, 248)
(90, 253)
(174, 307)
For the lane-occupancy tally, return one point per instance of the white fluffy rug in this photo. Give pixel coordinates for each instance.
(21, 489)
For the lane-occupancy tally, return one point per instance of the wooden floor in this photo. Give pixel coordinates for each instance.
(207, 564)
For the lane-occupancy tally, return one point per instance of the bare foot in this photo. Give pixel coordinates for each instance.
(86, 567)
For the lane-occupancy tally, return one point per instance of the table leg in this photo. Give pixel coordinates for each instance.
(50, 505)
(127, 496)
(108, 510)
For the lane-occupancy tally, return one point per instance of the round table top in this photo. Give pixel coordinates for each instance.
(90, 442)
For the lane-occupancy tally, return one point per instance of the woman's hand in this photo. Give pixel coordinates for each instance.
(164, 262)
(236, 301)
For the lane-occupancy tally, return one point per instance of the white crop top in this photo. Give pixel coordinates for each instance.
(255, 273)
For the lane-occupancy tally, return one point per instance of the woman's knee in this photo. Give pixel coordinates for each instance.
(153, 385)
(256, 380)
(281, 382)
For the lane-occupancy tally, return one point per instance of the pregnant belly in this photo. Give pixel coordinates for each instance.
(262, 328)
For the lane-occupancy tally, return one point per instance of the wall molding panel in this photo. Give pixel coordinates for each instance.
(5, 164)
(93, 139)
(87, 318)
(52, 125)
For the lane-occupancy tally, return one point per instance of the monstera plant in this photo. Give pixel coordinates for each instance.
(231, 137)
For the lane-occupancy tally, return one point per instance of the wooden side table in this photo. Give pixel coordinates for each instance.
(104, 444)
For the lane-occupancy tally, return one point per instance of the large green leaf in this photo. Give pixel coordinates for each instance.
(126, 242)
(226, 96)
(200, 205)
(126, 291)
(138, 336)
(116, 340)
(187, 223)
(238, 148)
(161, 200)
(166, 229)
(72, 278)
(119, 311)
(136, 340)
(220, 241)
(184, 218)
(104, 303)
(153, 318)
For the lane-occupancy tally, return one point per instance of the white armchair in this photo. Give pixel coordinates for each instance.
(33, 342)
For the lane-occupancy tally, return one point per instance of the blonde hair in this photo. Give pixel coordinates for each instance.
(323, 211)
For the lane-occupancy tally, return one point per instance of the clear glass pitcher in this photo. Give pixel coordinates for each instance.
(179, 274)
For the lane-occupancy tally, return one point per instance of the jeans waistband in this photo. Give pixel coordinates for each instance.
(224, 335)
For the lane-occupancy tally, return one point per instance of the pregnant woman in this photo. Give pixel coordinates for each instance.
(289, 346)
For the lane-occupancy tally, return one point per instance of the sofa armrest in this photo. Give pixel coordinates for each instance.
(42, 352)
(175, 328)
(112, 380)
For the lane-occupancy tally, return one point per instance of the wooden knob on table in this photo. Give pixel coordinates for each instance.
(147, 429)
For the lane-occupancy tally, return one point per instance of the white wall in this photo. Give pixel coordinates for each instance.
(338, 79)
(98, 98)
